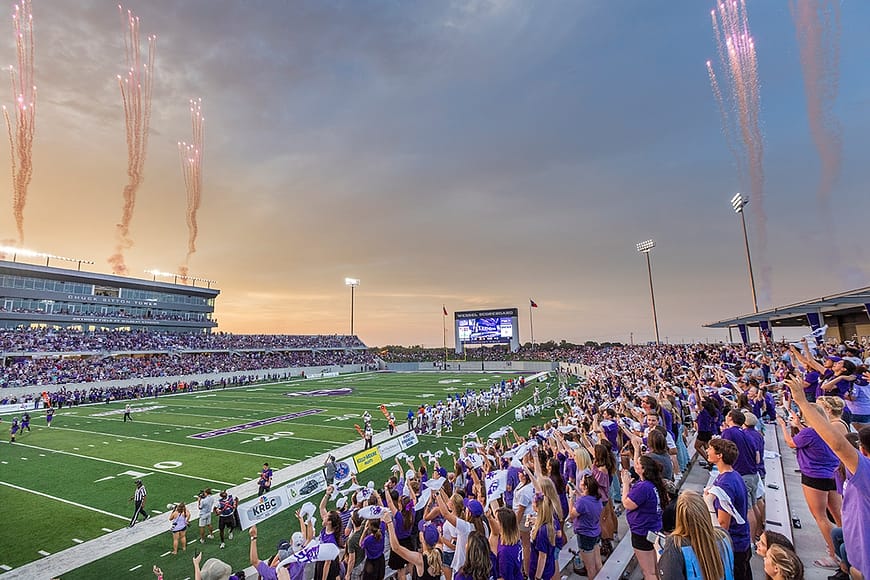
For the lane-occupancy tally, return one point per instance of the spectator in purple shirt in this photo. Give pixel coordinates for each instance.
(504, 543)
(722, 453)
(856, 490)
(817, 463)
(643, 502)
(586, 516)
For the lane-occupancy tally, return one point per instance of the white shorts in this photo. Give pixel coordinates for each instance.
(205, 521)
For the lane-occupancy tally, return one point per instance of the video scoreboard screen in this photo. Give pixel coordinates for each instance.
(487, 327)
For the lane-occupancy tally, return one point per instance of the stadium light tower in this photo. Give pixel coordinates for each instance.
(738, 202)
(645, 248)
(353, 283)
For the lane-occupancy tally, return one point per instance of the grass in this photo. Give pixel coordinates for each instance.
(80, 472)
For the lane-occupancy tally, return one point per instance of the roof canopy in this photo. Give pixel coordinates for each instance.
(845, 303)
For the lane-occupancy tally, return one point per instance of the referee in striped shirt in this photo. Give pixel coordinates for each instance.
(138, 498)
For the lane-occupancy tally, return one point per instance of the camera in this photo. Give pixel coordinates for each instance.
(201, 494)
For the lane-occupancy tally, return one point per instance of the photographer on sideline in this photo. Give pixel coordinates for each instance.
(205, 502)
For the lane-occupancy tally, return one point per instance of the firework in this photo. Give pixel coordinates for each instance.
(191, 169)
(135, 88)
(740, 104)
(21, 124)
(818, 28)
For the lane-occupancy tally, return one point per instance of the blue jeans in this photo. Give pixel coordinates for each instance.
(839, 545)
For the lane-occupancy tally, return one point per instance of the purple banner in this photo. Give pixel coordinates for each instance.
(321, 393)
(252, 424)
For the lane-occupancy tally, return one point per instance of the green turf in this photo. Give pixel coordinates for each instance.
(93, 460)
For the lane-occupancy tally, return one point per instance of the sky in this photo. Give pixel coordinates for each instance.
(466, 153)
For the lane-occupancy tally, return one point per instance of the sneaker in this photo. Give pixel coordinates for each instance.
(210, 536)
(231, 535)
(222, 545)
(839, 575)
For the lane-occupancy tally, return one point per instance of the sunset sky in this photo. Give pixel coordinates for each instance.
(471, 153)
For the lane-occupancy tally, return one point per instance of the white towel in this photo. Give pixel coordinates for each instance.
(725, 503)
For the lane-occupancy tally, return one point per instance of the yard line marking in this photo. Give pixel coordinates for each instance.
(150, 469)
(5, 568)
(42, 454)
(135, 567)
(4, 462)
(108, 530)
(164, 554)
(43, 553)
(23, 459)
(60, 499)
(78, 541)
(197, 447)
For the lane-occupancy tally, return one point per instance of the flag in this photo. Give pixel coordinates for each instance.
(496, 485)
(444, 308)
(532, 303)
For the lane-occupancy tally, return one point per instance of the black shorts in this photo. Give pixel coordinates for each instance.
(396, 561)
(227, 522)
(819, 483)
(639, 542)
(705, 436)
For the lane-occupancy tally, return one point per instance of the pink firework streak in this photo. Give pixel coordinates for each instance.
(135, 88)
(191, 168)
(740, 105)
(21, 125)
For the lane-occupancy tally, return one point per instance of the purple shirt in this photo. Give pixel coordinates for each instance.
(745, 464)
(541, 544)
(373, 548)
(513, 480)
(732, 483)
(648, 515)
(705, 421)
(856, 520)
(399, 525)
(814, 457)
(266, 572)
(510, 561)
(588, 520)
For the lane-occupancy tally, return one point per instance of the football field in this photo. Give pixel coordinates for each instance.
(70, 483)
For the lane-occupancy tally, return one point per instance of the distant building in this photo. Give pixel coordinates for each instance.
(43, 296)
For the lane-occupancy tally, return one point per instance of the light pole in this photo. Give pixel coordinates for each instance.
(738, 202)
(645, 248)
(353, 283)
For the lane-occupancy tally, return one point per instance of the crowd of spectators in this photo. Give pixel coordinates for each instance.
(500, 505)
(45, 340)
(549, 351)
(56, 371)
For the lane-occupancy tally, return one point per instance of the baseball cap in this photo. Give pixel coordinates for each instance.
(215, 569)
(138, 482)
(833, 358)
(342, 501)
(442, 471)
(751, 419)
(474, 508)
(409, 474)
(430, 532)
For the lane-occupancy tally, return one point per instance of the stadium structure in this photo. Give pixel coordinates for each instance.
(47, 296)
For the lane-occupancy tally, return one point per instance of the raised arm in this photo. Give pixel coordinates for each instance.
(323, 500)
(830, 435)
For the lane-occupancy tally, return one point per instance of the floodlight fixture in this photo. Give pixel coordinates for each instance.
(738, 202)
(351, 281)
(645, 247)
(34, 254)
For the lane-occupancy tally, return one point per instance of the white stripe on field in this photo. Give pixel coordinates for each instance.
(134, 568)
(150, 469)
(60, 499)
(43, 553)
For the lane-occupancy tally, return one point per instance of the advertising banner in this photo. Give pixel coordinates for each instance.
(408, 439)
(305, 487)
(390, 448)
(366, 459)
(262, 508)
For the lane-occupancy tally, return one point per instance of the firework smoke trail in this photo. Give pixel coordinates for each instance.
(136, 97)
(736, 51)
(20, 126)
(191, 168)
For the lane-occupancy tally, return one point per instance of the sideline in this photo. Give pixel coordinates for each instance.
(60, 499)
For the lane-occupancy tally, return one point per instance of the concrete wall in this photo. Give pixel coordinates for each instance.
(475, 365)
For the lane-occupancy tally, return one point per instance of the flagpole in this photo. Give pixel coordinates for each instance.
(444, 329)
(531, 325)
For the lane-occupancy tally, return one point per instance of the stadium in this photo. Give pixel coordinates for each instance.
(300, 405)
